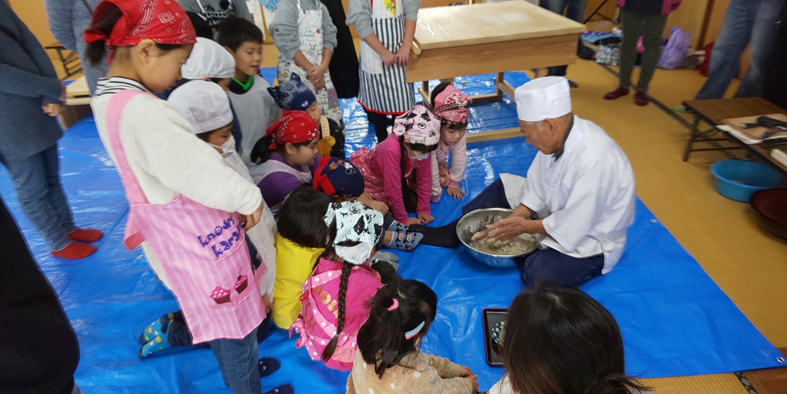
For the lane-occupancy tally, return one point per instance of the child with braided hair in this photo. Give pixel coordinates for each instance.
(334, 298)
(388, 359)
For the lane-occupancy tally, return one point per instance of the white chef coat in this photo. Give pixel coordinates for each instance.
(587, 194)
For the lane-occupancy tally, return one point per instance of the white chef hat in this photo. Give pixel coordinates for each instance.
(543, 98)
(205, 105)
(208, 60)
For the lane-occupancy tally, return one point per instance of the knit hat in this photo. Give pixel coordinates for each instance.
(337, 177)
(543, 98)
(208, 60)
(293, 127)
(162, 21)
(204, 104)
(418, 126)
(355, 222)
(452, 105)
(293, 95)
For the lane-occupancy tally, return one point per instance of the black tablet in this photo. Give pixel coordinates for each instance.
(493, 316)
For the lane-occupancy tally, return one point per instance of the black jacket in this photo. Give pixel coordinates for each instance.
(38, 347)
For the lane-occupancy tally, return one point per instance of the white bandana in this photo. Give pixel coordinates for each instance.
(355, 222)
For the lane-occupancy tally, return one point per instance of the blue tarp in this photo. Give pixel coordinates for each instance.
(675, 320)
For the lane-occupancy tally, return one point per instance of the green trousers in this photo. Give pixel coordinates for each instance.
(650, 27)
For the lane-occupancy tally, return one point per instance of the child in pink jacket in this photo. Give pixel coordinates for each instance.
(398, 171)
(452, 107)
(335, 296)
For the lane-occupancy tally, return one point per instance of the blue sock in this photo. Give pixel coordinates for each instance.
(157, 343)
(153, 329)
(405, 240)
(396, 226)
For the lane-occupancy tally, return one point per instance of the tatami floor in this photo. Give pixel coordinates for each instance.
(749, 264)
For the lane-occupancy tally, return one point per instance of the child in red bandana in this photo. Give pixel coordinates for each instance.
(189, 211)
(286, 158)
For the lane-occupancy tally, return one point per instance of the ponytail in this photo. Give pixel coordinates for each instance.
(96, 51)
(261, 151)
(398, 307)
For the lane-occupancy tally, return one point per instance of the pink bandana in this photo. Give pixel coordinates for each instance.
(418, 126)
(293, 127)
(162, 21)
(452, 105)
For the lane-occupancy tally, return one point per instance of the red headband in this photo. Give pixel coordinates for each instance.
(321, 182)
(293, 127)
(162, 21)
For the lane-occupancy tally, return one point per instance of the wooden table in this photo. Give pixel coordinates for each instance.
(70, 61)
(713, 112)
(489, 38)
(77, 103)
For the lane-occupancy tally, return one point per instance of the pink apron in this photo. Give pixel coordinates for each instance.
(316, 331)
(202, 251)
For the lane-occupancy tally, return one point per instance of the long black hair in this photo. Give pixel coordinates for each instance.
(382, 340)
(343, 281)
(96, 51)
(559, 340)
(300, 217)
(403, 161)
(262, 151)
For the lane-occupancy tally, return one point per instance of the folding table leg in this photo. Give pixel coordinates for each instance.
(692, 135)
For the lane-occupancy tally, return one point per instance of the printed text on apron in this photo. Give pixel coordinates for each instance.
(202, 251)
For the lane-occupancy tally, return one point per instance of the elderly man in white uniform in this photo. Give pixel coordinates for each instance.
(579, 192)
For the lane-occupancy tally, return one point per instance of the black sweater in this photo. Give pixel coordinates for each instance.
(38, 348)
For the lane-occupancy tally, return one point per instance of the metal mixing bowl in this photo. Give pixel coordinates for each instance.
(476, 221)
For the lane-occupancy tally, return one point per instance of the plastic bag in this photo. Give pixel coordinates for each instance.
(608, 54)
(674, 52)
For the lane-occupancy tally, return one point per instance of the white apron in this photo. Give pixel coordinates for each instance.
(385, 89)
(311, 35)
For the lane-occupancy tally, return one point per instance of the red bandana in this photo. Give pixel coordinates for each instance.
(294, 127)
(162, 21)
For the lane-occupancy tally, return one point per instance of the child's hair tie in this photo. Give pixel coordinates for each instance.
(394, 305)
(414, 331)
